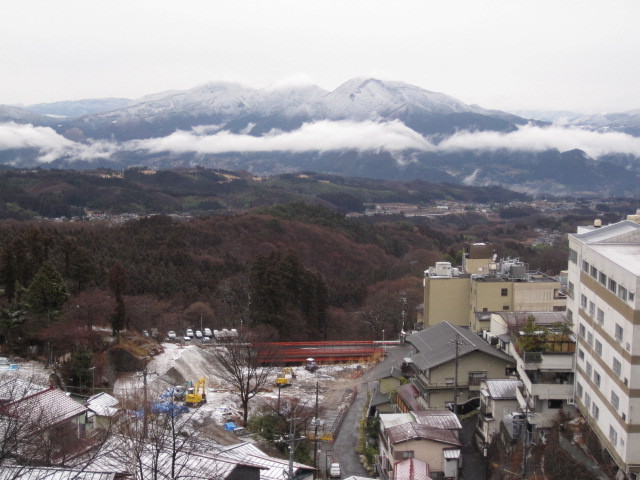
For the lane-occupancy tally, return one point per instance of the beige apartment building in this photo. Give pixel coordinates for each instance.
(604, 304)
(460, 297)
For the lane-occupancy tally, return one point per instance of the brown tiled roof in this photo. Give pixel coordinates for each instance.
(409, 394)
(415, 431)
(411, 469)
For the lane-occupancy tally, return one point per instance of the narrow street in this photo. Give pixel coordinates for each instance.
(343, 448)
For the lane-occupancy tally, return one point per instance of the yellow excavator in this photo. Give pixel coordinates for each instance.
(196, 395)
(282, 380)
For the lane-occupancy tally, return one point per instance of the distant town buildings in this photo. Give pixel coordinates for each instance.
(466, 295)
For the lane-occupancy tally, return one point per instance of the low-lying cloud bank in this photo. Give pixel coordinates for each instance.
(323, 136)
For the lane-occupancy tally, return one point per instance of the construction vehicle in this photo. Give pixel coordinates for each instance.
(282, 380)
(311, 365)
(196, 395)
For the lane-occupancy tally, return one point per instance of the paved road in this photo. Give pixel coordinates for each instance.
(473, 464)
(343, 448)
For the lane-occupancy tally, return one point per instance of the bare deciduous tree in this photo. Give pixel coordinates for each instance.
(246, 366)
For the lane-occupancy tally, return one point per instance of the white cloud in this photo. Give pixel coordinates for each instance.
(50, 144)
(394, 137)
(318, 136)
(14, 136)
(537, 139)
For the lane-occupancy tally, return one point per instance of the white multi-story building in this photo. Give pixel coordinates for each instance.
(604, 307)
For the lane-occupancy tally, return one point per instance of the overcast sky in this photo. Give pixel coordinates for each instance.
(505, 54)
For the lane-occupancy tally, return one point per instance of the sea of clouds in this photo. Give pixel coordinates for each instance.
(322, 136)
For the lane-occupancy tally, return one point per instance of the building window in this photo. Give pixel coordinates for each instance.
(600, 317)
(594, 272)
(583, 302)
(613, 435)
(505, 307)
(596, 378)
(570, 287)
(592, 309)
(615, 401)
(619, 333)
(598, 348)
(579, 390)
(449, 381)
(573, 256)
(602, 278)
(569, 315)
(585, 266)
(485, 309)
(580, 354)
(587, 401)
(595, 411)
(622, 292)
(476, 377)
(588, 370)
(613, 286)
(581, 330)
(632, 297)
(617, 366)
(504, 292)
(590, 339)
(554, 404)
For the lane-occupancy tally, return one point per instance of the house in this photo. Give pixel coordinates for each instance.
(272, 468)
(461, 295)
(51, 473)
(433, 363)
(384, 397)
(544, 349)
(47, 426)
(604, 306)
(437, 447)
(243, 461)
(102, 409)
(497, 399)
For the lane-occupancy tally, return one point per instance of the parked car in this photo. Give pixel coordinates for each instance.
(207, 332)
(198, 334)
(206, 339)
(171, 335)
(189, 332)
(187, 338)
(334, 471)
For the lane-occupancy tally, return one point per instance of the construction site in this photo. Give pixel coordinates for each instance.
(191, 375)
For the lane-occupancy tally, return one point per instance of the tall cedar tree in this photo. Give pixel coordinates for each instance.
(288, 297)
(118, 283)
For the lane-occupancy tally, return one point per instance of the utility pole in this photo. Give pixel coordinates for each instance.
(291, 440)
(403, 301)
(315, 433)
(457, 343)
(145, 416)
(525, 434)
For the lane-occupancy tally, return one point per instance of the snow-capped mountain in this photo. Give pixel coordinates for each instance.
(234, 107)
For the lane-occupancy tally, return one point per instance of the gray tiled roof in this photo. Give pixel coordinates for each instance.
(414, 431)
(436, 346)
(503, 388)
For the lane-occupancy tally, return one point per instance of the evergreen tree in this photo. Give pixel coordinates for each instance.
(47, 292)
